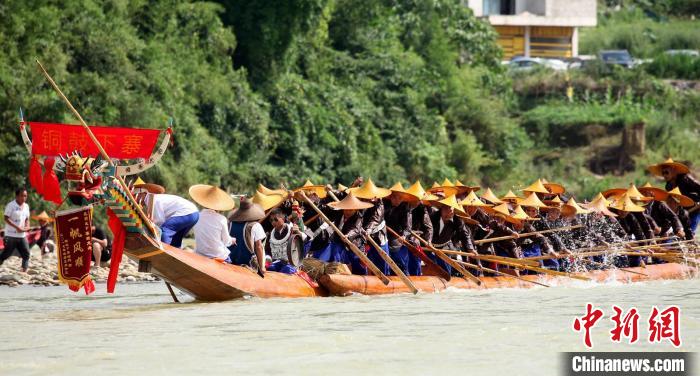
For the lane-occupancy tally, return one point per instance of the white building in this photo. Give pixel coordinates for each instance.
(537, 28)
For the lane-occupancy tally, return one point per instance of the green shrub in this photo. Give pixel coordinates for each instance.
(675, 66)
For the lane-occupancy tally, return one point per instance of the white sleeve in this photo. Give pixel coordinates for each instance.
(225, 237)
(257, 232)
(8, 210)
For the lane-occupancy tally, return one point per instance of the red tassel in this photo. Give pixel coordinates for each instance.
(117, 249)
(89, 286)
(35, 175)
(51, 188)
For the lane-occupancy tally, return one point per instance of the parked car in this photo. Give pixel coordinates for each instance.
(617, 57)
(521, 63)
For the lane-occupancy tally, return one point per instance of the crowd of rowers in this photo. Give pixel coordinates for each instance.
(447, 216)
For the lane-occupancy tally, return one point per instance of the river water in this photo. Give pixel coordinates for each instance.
(139, 330)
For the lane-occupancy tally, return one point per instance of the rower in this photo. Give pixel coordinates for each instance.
(350, 224)
(449, 232)
(624, 207)
(317, 236)
(278, 241)
(397, 214)
(506, 247)
(477, 221)
(211, 231)
(541, 244)
(677, 175)
(246, 228)
(373, 223)
(677, 202)
(420, 223)
(661, 213)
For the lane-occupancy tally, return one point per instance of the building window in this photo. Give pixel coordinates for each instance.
(499, 7)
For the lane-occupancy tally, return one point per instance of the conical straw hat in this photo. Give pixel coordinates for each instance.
(555, 203)
(599, 205)
(510, 196)
(446, 188)
(573, 208)
(342, 188)
(682, 199)
(149, 187)
(43, 216)
(350, 202)
(309, 187)
(634, 194)
(501, 209)
(211, 197)
(473, 200)
(369, 191)
(624, 203)
(553, 188)
(519, 215)
(248, 211)
(465, 187)
(614, 192)
(451, 202)
(536, 187)
(532, 201)
(139, 181)
(601, 197)
(670, 163)
(657, 194)
(489, 196)
(267, 202)
(267, 191)
(404, 195)
(417, 190)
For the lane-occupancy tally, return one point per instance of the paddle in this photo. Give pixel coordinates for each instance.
(526, 234)
(477, 267)
(428, 262)
(395, 268)
(490, 257)
(447, 259)
(361, 255)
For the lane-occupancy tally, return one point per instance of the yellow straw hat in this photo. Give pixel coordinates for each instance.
(211, 197)
(519, 215)
(488, 195)
(473, 200)
(572, 208)
(657, 194)
(451, 202)
(501, 209)
(43, 216)
(247, 211)
(446, 188)
(510, 196)
(342, 188)
(369, 191)
(417, 190)
(669, 163)
(682, 199)
(553, 188)
(555, 203)
(614, 192)
(350, 202)
(624, 203)
(463, 188)
(599, 205)
(404, 195)
(633, 193)
(267, 191)
(267, 202)
(532, 201)
(309, 187)
(536, 187)
(149, 187)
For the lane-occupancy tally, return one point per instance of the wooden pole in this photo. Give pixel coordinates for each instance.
(490, 257)
(428, 262)
(395, 268)
(477, 267)
(172, 293)
(370, 265)
(447, 259)
(526, 234)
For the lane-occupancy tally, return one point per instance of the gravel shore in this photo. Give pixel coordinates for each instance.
(44, 272)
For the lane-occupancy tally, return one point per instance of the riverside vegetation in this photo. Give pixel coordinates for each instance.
(282, 91)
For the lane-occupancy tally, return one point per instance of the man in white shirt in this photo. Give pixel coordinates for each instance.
(17, 225)
(211, 231)
(173, 214)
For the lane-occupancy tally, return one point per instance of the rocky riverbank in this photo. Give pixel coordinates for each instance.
(44, 272)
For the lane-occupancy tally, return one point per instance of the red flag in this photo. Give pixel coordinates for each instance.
(51, 189)
(73, 229)
(35, 179)
(117, 249)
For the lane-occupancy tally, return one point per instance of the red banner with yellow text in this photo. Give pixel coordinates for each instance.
(73, 229)
(123, 143)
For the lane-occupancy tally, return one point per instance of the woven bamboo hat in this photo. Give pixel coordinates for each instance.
(451, 202)
(473, 200)
(669, 163)
(447, 188)
(519, 215)
(350, 202)
(573, 208)
(309, 187)
(267, 191)
(624, 203)
(43, 217)
(463, 188)
(492, 198)
(211, 197)
(369, 191)
(555, 203)
(532, 201)
(501, 210)
(248, 211)
(614, 192)
(267, 202)
(657, 194)
(404, 195)
(634, 193)
(599, 205)
(149, 187)
(510, 196)
(553, 188)
(342, 188)
(682, 199)
(536, 187)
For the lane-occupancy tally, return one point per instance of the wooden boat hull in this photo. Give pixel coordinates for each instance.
(208, 280)
(341, 285)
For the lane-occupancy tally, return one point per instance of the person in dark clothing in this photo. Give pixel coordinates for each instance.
(101, 247)
(45, 242)
(677, 203)
(449, 232)
(398, 217)
(677, 175)
(350, 224)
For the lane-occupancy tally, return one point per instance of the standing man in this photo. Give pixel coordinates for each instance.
(17, 225)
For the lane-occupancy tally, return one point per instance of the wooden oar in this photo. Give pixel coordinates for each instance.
(490, 257)
(477, 267)
(542, 270)
(442, 273)
(526, 234)
(612, 267)
(447, 259)
(353, 248)
(395, 268)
